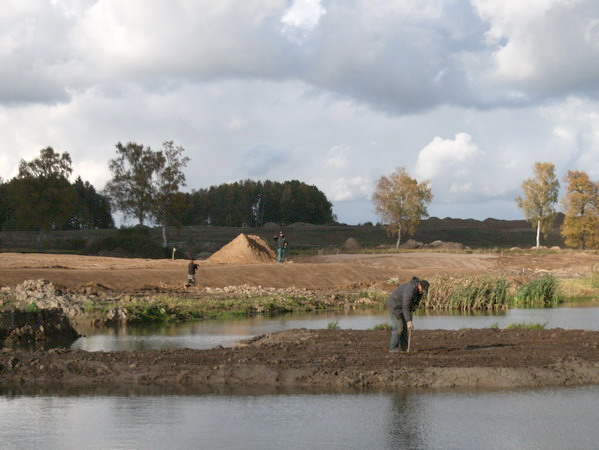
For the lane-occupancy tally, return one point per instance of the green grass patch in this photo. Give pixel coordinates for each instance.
(583, 288)
(537, 293)
(32, 307)
(173, 309)
(382, 326)
(526, 326)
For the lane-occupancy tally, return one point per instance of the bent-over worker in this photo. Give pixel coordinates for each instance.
(401, 303)
(191, 272)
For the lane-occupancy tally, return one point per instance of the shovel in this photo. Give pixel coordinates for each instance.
(409, 339)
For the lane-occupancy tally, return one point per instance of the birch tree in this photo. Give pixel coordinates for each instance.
(539, 197)
(401, 202)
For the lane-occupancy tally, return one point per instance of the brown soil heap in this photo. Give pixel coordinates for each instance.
(351, 244)
(244, 249)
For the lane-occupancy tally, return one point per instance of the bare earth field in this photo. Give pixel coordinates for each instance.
(331, 358)
(318, 272)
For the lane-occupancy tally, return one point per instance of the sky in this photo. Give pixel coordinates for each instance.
(335, 93)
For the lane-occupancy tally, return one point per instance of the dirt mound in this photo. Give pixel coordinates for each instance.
(351, 245)
(442, 245)
(244, 249)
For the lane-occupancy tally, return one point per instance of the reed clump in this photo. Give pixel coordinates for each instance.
(539, 292)
(467, 293)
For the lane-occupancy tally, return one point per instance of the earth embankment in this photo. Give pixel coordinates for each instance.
(331, 358)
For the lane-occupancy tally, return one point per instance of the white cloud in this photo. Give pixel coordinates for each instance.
(337, 157)
(459, 171)
(347, 188)
(544, 46)
(447, 158)
(302, 15)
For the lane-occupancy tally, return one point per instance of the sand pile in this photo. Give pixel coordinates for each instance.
(244, 249)
(351, 245)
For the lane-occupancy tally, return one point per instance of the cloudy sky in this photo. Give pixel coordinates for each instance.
(335, 93)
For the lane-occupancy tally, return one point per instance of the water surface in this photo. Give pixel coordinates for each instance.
(210, 333)
(522, 419)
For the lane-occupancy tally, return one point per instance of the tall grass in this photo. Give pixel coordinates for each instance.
(537, 293)
(467, 293)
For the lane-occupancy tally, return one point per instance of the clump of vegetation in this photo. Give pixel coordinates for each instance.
(526, 326)
(32, 307)
(538, 292)
(584, 288)
(382, 326)
(165, 308)
(467, 293)
(333, 325)
(369, 297)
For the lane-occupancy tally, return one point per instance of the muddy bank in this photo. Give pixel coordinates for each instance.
(331, 358)
(36, 329)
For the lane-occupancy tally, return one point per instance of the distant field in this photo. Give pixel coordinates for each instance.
(303, 238)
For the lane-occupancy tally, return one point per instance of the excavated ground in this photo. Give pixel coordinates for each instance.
(327, 358)
(331, 358)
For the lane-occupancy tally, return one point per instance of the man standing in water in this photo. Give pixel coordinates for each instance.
(401, 303)
(281, 246)
(191, 272)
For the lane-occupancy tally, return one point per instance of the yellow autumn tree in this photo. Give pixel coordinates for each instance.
(539, 197)
(581, 208)
(401, 202)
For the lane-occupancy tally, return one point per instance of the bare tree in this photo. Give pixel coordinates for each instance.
(539, 198)
(401, 202)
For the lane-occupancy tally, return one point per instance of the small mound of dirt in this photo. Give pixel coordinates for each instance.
(244, 249)
(351, 245)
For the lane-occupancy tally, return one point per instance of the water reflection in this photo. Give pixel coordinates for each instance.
(406, 424)
(210, 333)
(523, 419)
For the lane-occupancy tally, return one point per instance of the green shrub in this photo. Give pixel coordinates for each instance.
(538, 292)
(333, 325)
(382, 326)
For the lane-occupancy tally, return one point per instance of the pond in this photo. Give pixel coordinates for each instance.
(210, 333)
(521, 419)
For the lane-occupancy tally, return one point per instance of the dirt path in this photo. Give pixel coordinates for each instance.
(331, 358)
(321, 272)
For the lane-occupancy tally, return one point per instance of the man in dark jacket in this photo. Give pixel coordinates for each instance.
(281, 246)
(401, 303)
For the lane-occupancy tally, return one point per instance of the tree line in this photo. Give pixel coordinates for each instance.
(401, 202)
(42, 198)
(145, 185)
(254, 203)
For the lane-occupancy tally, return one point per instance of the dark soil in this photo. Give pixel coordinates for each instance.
(330, 358)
